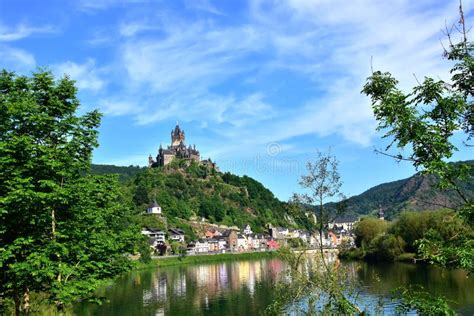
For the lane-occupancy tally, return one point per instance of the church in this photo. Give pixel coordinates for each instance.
(177, 149)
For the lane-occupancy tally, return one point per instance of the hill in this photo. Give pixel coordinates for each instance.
(188, 192)
(416, 193)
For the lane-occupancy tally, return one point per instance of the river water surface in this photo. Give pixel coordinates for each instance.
(246, 287)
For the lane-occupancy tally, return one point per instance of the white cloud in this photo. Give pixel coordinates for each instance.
(174, 66)
(203, 5)
(189, 54)
(16, 59)
(117, 107)
(9, 34)
(128, 29)
(86, 75)
(97, 5)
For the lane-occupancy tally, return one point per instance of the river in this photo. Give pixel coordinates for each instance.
(246, 287)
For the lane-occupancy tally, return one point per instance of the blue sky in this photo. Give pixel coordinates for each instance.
(258, 86)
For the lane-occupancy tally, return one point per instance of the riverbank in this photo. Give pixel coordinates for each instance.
(195, 259)
(359, 254)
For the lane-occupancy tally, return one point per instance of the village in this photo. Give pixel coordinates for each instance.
(218, 239)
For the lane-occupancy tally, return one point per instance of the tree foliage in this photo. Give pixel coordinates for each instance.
(425, 120)
(367, 229)
(61, 232)
(312, 283)
(221, 198)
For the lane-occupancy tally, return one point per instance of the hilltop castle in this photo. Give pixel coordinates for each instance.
(177, 149)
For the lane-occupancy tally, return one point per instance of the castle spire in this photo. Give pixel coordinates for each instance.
(381, 213)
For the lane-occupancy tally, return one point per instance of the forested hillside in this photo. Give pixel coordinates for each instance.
(416, 193)
(193, 191)
(190, 192)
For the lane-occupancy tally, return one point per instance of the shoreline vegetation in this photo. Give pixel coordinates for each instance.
(399, 240)
(161, 262)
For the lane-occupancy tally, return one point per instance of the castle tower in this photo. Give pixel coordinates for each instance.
(177, 136)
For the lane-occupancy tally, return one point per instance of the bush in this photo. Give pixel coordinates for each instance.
(385, 247)
(368, 229)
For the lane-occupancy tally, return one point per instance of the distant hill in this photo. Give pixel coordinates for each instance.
(416, 193)
(125, 173)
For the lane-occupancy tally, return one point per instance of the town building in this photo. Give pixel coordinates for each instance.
(212, 232)
(272, 245)
(201, 246)
(176, 234)
(230, 237)
(346, 223)
(242, 244)
(247, 230)
(278, 232)
(156, 234)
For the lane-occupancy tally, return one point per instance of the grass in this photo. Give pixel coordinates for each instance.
(172, 261)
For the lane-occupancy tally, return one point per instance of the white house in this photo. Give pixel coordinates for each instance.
(279, 232)
(241, 242)
(258, 242)
(156, 234)
(247, 230)
(154, 208)
(343, 223)
(222, 243)
(201, 246)
(176, 234)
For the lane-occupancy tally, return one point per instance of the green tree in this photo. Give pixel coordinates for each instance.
(425, 120)
(318, 285)
(61, 232)
(367, 229)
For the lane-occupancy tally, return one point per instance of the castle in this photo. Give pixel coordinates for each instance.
(177, 149)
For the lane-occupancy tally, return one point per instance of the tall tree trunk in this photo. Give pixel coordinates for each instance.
(17, 304)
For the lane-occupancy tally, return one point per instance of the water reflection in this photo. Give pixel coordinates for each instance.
(246, 287)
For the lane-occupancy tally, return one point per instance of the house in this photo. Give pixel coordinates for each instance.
(230, 237)
(305, 236)
(157, 234)
(293, 233)
(213, 245)
(346, 222)
(272, 245)
(201, 246)
(242, 242)
(329, 239)
(221, 243)
(334, 239)
(176, 234)
(258, 242)
(278, 232)
(211, 233)
(153, 208)
(247, 230)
